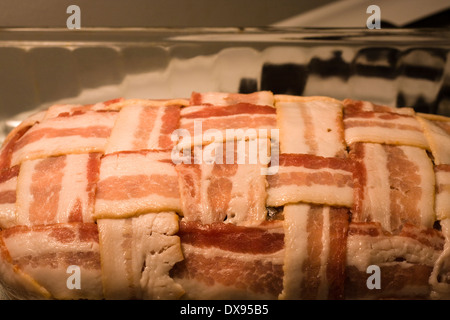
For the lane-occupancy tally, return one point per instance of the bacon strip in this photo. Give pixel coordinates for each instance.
(263, 98)
(384, 125)
(137, 255)
(46, 252)
(405, 259)
(68, 110)
(9, 144)
(140, 127)
(65, 110)
(311, 126)
(214, 192)
(15, 283)
(440, 277)
(57, 189)
(395, 185)
(8, 185)
(438, 136)
(223, 261)
(131, 183)
(314, 179)
(356, 107)
(118, 104)
(81, 133)
(315, 252)
(19, 130)
(442, 191)
(247, 121)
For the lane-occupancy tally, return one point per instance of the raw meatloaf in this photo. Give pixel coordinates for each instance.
(226, 196)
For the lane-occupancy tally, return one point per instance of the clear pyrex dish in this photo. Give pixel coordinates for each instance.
(396, 67)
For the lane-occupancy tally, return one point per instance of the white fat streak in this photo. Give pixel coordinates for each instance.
(24, 196)
(188, 110)
(296, 241)
(326, 131)
(201, 136)
(248, 177)
(427, 183)
(292, 127)
(367, 106)
(410, 121)
(206, 210)
(323, 288)
(131, 207)
(376, 204)
(443, 197)
(42, 242)
(312, 171)
(276, 258)
(215, 98)
(122, 135)
(320, 194)
(153, 141)
(317, 193)
(124, 164)
(378, 134)
(117, 282)
(363, 251)
(327, 116)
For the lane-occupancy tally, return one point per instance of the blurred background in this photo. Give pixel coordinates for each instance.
(224, 13)
(320, 47)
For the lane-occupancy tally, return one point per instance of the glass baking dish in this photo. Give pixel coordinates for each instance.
(396, 67)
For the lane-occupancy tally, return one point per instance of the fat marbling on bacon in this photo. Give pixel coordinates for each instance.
(135, 182)
(311, 125)
(97, 187)
(204, 124)
(381, 124)
(227, 184)
(394, 185)
(311, 179)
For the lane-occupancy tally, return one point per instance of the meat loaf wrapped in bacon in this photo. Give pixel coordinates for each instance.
(226, 196)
